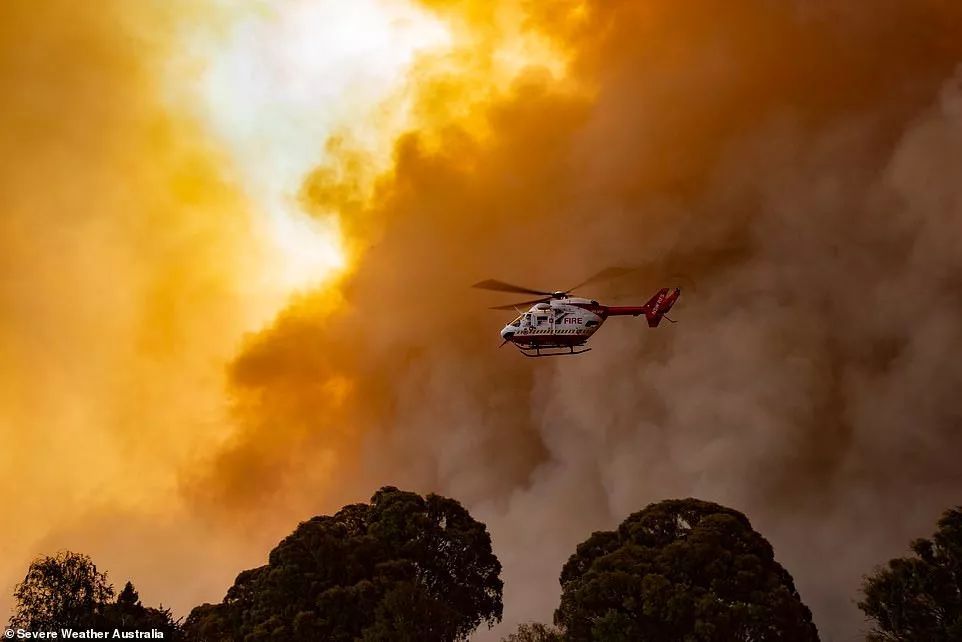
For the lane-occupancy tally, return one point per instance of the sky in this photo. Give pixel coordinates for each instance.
(237, 241)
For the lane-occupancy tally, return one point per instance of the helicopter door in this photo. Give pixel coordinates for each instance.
(544, 322)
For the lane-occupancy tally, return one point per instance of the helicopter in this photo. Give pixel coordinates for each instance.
(560, 324)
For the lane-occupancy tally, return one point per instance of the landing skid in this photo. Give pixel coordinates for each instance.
(556, 351)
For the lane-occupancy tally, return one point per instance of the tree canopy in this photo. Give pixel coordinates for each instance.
(128, 614)
(535, 632)
(920, 597)
(403, 567)
(680, 570)
(67, 591)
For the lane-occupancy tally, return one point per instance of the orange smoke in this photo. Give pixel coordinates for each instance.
(141, 239)
(768, 151)
(795, 160)
(130, 272)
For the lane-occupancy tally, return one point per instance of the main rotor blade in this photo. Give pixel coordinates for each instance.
(501, 286)
(513, 306)
(605, 275)
(644, 287)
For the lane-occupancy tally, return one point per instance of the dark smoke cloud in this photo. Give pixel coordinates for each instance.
(799, 162)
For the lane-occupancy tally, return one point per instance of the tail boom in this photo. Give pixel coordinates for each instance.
(656, 307)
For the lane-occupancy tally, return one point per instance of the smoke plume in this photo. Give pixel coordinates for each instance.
(125, 264)
(797, 161)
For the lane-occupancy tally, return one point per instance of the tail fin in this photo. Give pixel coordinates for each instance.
(659, 305)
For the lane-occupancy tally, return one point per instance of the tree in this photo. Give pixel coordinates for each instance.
(128, 614)
(680, 570)
(67, 591)
(920, 597)
(535, 632)
(403, 567)
(62, 591)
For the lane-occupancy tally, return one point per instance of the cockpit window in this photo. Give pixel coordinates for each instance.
(516, 322)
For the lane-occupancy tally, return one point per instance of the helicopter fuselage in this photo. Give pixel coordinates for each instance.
(559, 323)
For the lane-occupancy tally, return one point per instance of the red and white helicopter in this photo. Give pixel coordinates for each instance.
(560, 324)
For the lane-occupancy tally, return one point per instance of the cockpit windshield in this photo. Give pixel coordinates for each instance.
(516, 323)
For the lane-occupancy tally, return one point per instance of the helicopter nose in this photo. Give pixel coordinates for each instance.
(507, 333)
